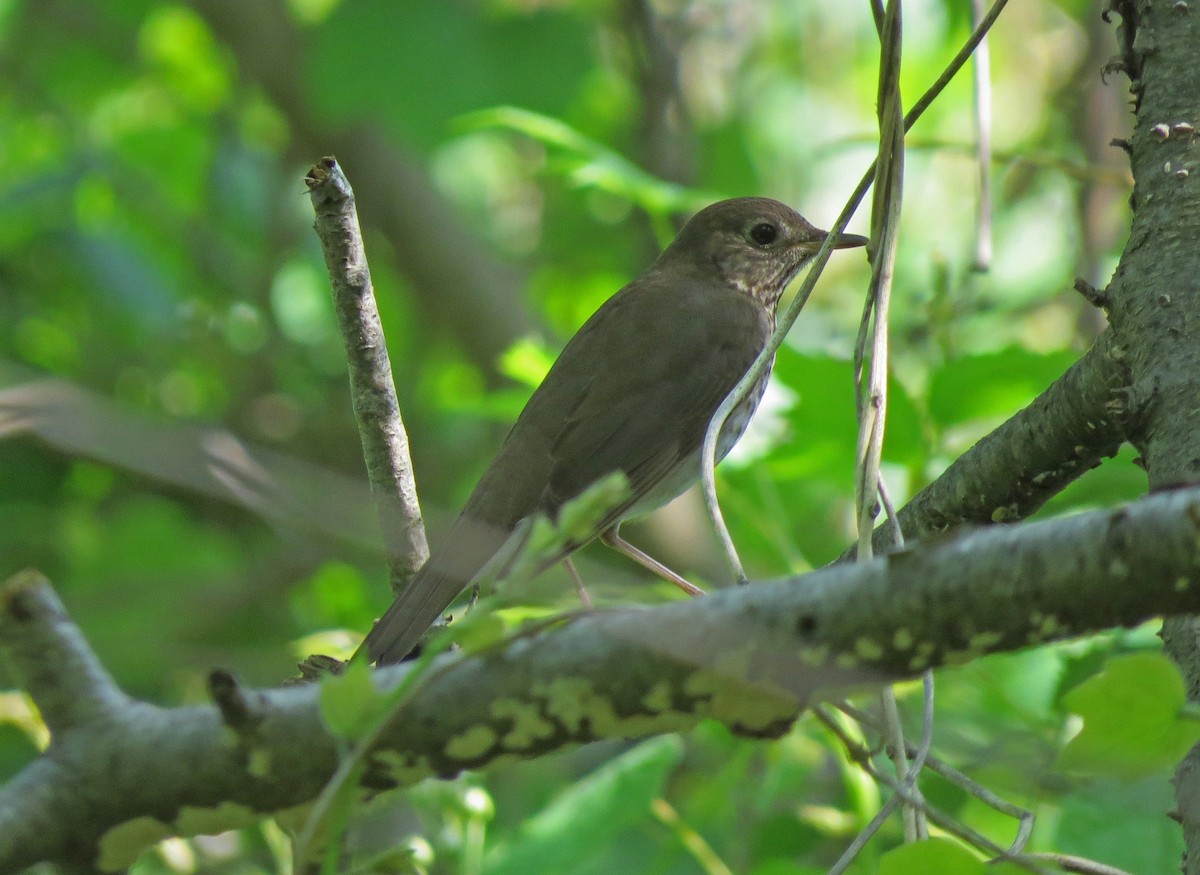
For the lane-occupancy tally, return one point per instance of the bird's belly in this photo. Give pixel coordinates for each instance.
(688, 471)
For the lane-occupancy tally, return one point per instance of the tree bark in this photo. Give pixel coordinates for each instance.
(1154, 297)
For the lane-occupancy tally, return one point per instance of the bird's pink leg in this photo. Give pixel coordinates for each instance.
(613, 539)
(583, 595)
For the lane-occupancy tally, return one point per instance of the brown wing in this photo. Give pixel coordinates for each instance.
(674, 352)
(671, 354)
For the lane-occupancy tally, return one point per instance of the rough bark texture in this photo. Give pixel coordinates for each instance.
(372, 392)
(1154, 298)
(1062, 434)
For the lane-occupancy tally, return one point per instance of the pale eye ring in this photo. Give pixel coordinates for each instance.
(764, 233)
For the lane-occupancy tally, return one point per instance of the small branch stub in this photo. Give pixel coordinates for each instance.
(1094, 296)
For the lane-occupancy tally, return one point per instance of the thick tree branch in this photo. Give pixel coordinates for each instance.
(1080, 419)
(372, 392)
(751, 657)
(1154, 297)
(57, 668)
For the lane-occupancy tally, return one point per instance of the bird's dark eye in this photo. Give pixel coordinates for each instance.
(764, 233)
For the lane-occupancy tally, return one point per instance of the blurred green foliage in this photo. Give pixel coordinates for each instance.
(156, 251)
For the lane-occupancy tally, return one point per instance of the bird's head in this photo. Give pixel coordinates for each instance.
(754, 244)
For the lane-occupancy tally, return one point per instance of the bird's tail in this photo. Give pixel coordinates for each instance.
(469, 546)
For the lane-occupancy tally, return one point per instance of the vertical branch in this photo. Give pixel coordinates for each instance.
(380, 428)
(871, 389)
(786, 319)
(982, 65)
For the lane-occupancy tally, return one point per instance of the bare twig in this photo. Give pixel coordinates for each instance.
(384, 441)
(871, 390)
(1023, 816)
(788, 317)
(1071, 863)
(701, 851)
(982, 66)
(1078, 420)
(948, 823)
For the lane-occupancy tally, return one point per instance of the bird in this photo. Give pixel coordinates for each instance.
(631, 392)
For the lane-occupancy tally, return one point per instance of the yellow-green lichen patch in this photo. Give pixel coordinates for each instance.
(902, 639)
(528, 724)
(122, 844)
(472, 744)
(1049, 626)
(846, 661)
(983, 642)
(565, 698)
(638, 725)
(958, 657)
(259, 763)
(404, 769)
(754, 705)
(814, 656)
(571, 701)
(729, 666)
(508, 759)
(207, 821)
(658, 698)
(602, 717)
(868, 649)
(919, 662)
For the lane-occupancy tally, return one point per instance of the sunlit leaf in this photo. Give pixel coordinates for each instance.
(583, 819)
(349, 701)
(932, 855)
(1133, 718)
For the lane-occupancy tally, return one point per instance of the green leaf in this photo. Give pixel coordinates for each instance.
(823, 422)
(17, 749)
(931, 855)
(527, 361)
(1133, 719)
(335, 595)
(592, 164)
(455, 57)
(1123, 823)
(349, 701)
(992, 384)
(480, 627)
(583, 821)
(578, 518)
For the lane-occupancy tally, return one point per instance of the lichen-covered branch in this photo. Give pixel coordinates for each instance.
(372, 392)
(57, 668)
(751, 657)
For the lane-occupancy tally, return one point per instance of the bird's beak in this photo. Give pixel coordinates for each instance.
(850, 241)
